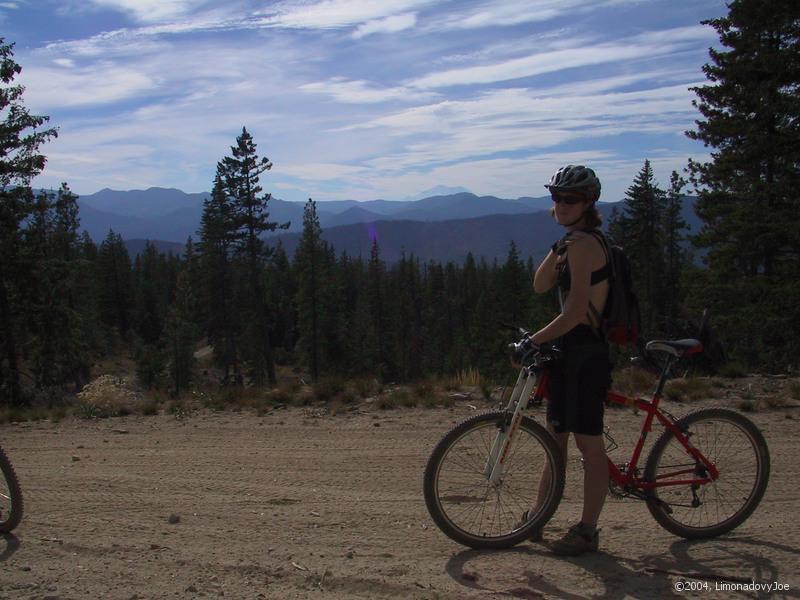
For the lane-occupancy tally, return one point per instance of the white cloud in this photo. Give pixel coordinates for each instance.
(360, 92)
(391, 24)
(648, 46)
(333, 14)
(500, 13)
(102, 83)
(521, 120)
(67, 63)
(152, 11)
(529, 66)
(321, 171)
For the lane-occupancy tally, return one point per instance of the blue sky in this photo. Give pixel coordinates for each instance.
(362, 99)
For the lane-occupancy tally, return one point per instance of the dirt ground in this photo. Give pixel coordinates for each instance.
(302, 504)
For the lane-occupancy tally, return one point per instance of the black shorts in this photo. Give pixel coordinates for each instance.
(579, 383)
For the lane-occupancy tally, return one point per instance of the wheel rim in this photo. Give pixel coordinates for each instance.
(475, 507)
(734, 452)
(6, 505)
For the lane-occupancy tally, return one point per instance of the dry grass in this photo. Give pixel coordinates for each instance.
(689, 389)
(633, 381)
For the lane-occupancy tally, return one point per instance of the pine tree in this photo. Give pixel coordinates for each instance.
(309, 263)
(181, 334)
(675, 258)
(240, 174)
(640, 227)
(216, 280)
(21, 135)
(150, 287)
(115, 301)
(281, 294)
(58, 346)
(409, 340)
(747, 192)
(515, 289)
(380, 341)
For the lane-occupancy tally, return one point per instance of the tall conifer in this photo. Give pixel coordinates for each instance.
(747, 192)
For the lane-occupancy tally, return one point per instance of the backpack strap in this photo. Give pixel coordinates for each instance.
(594, 314)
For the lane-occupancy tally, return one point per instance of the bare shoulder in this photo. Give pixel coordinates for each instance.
(587, 249)
(583, 241)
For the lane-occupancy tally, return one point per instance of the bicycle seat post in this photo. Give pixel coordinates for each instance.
(664, 377)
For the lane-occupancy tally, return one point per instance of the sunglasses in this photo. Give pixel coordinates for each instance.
(567, 198)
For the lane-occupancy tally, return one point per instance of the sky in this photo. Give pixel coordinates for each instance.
(363, 99)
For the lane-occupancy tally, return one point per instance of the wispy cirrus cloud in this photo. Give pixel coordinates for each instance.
(335, 14)
(152, 11)
(362, 92)
(102, 83)
(392, 24)
(523, 121)
(503, 13)
(366, 99)
(559, 59)
(323, 171)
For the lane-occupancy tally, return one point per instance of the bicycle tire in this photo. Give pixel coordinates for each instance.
(10, 496)
(458, 494)
(739, 451)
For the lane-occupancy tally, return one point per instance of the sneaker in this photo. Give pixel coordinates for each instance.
(535, 534)
(580, 539)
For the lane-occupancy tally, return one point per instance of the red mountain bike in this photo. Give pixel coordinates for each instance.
(10, 496)
(703, 477)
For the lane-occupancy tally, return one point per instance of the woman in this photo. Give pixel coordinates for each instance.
(579, 382)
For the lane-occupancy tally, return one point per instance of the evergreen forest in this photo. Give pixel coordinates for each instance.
(66, 301)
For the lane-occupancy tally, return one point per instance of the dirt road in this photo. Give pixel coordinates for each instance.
(301, 504)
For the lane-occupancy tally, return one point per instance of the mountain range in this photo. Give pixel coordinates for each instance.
(440, 227)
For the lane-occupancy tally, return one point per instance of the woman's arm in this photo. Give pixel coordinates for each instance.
(546, 275)
(577, 303)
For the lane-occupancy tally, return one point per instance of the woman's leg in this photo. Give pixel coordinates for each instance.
(595, 476)
(544, 482)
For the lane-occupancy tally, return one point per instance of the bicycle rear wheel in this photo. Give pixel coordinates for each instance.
(738, 450)
(474, 512)
(10, 496)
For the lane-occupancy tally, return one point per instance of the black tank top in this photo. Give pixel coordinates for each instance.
(565, 277)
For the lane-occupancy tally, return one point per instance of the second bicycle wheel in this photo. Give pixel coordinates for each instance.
(10, 496)
(738, 450)
(474, 512)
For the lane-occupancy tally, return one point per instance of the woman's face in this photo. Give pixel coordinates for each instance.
(569, 207)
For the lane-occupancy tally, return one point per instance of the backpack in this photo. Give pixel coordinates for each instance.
(621, 321)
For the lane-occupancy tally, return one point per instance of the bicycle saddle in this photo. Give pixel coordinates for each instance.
(677, 348)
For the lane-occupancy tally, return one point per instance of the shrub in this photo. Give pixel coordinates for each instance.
(732, 370)
(367, 387)
(329, 387)
(632, 381)
(150, 366)
(747, 406)
(469, 377)
(691, 388)
(107, 396)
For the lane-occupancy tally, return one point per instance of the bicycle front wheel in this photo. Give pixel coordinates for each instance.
(738, 450)
(10, 496)
(470, 509)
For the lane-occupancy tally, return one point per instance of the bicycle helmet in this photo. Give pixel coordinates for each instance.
(575, 178)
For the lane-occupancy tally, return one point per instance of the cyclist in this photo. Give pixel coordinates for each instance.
(580, 380)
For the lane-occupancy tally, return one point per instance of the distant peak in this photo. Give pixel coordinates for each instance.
(439, 190)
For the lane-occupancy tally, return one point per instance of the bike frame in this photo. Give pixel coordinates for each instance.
(535, 377)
